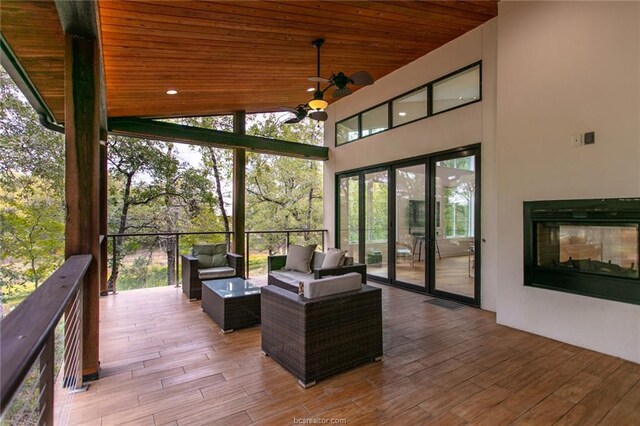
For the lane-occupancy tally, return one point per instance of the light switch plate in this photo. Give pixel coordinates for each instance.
(589, 138)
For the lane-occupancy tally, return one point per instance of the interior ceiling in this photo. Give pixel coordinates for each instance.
(224, 56)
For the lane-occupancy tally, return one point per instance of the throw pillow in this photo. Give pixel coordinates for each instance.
(333, 258)
(210, 255)
(299, 258)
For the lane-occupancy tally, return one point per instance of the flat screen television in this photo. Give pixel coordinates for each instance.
(417, 214)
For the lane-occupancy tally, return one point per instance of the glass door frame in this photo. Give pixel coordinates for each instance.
(477, 239)
(429, 160)
(392, 225)
(362, 217)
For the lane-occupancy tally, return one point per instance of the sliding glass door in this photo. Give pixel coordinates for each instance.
(376, 220)
(349, 219)
(411, 224)
(416, 224)
(455, 185)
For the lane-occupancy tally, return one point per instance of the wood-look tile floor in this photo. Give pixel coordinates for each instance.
(165, 362)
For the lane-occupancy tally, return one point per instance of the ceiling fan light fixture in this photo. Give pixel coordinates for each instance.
(318, 102)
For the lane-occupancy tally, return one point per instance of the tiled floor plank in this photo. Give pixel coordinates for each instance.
(165, 362)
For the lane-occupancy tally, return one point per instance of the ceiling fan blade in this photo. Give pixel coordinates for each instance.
(288, 109)
(293, 120)
(339, 93)
(319, 115)
(361, 78)
(318, 79)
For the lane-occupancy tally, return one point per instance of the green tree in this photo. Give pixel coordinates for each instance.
(151, 191)
(31, 195)
(31, 236)
(283, 192)
(27, 149)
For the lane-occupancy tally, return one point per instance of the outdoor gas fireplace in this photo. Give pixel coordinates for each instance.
(588, 247)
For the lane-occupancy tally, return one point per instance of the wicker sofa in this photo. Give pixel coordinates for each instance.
(318, 337)
(192, 276)
(289, 279)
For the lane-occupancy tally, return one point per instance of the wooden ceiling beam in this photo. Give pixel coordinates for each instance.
(171, 132)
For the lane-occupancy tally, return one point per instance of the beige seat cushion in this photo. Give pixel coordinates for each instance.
(213, 273)
(292, 277)
(332, 285)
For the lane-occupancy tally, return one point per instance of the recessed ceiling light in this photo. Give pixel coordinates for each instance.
(461, 98)
(402, 113)
(172, 92)
(311, 89)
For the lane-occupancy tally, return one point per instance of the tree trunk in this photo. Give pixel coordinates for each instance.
(171, 260)
(115, 264)
(172, 220)
(223, 210)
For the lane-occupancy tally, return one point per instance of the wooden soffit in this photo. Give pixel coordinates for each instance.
(224, 56)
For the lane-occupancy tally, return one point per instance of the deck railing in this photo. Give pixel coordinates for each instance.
(153, 259)
(40, 339)
(151, 255)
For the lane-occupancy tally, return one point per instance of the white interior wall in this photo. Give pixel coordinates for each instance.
(464, 126)
(565, 68)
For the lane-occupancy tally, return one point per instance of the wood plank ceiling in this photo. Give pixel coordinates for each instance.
(223, 56)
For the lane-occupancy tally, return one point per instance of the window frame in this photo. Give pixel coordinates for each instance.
(389, 102)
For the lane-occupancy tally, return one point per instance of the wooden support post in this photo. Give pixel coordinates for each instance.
(104, 245)
(239, 183)
(82, 180)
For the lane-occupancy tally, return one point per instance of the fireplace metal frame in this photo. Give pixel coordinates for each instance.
(608, 211)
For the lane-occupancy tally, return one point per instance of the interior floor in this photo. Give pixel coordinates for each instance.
(454, 274)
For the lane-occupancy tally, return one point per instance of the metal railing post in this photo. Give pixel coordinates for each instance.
(113, 267)
(246, 237)
(177, 283)
(288, 241)
(323, 247)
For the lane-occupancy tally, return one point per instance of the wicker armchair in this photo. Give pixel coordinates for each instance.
(191, 277)
(315, 338)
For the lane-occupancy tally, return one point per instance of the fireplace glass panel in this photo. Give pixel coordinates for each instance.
(588, 248)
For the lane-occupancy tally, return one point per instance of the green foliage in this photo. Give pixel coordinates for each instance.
(283, 192)
(31, 196)
(151, 189)
(26, 148)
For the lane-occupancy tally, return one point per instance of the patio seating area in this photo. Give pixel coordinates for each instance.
(164, 361)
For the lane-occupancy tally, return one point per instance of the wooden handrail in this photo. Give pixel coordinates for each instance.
(24, 331)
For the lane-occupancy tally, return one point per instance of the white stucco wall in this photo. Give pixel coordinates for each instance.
(565, 68)
(464, 126)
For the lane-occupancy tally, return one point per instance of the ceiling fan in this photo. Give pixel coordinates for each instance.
(339, 80)
(315, 107)
(302, 111)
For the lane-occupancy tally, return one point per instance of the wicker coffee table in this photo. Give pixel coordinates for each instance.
(232, 303)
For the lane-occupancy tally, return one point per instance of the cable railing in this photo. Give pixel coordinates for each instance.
(41, 355)
(141, 260)
(152, 259)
